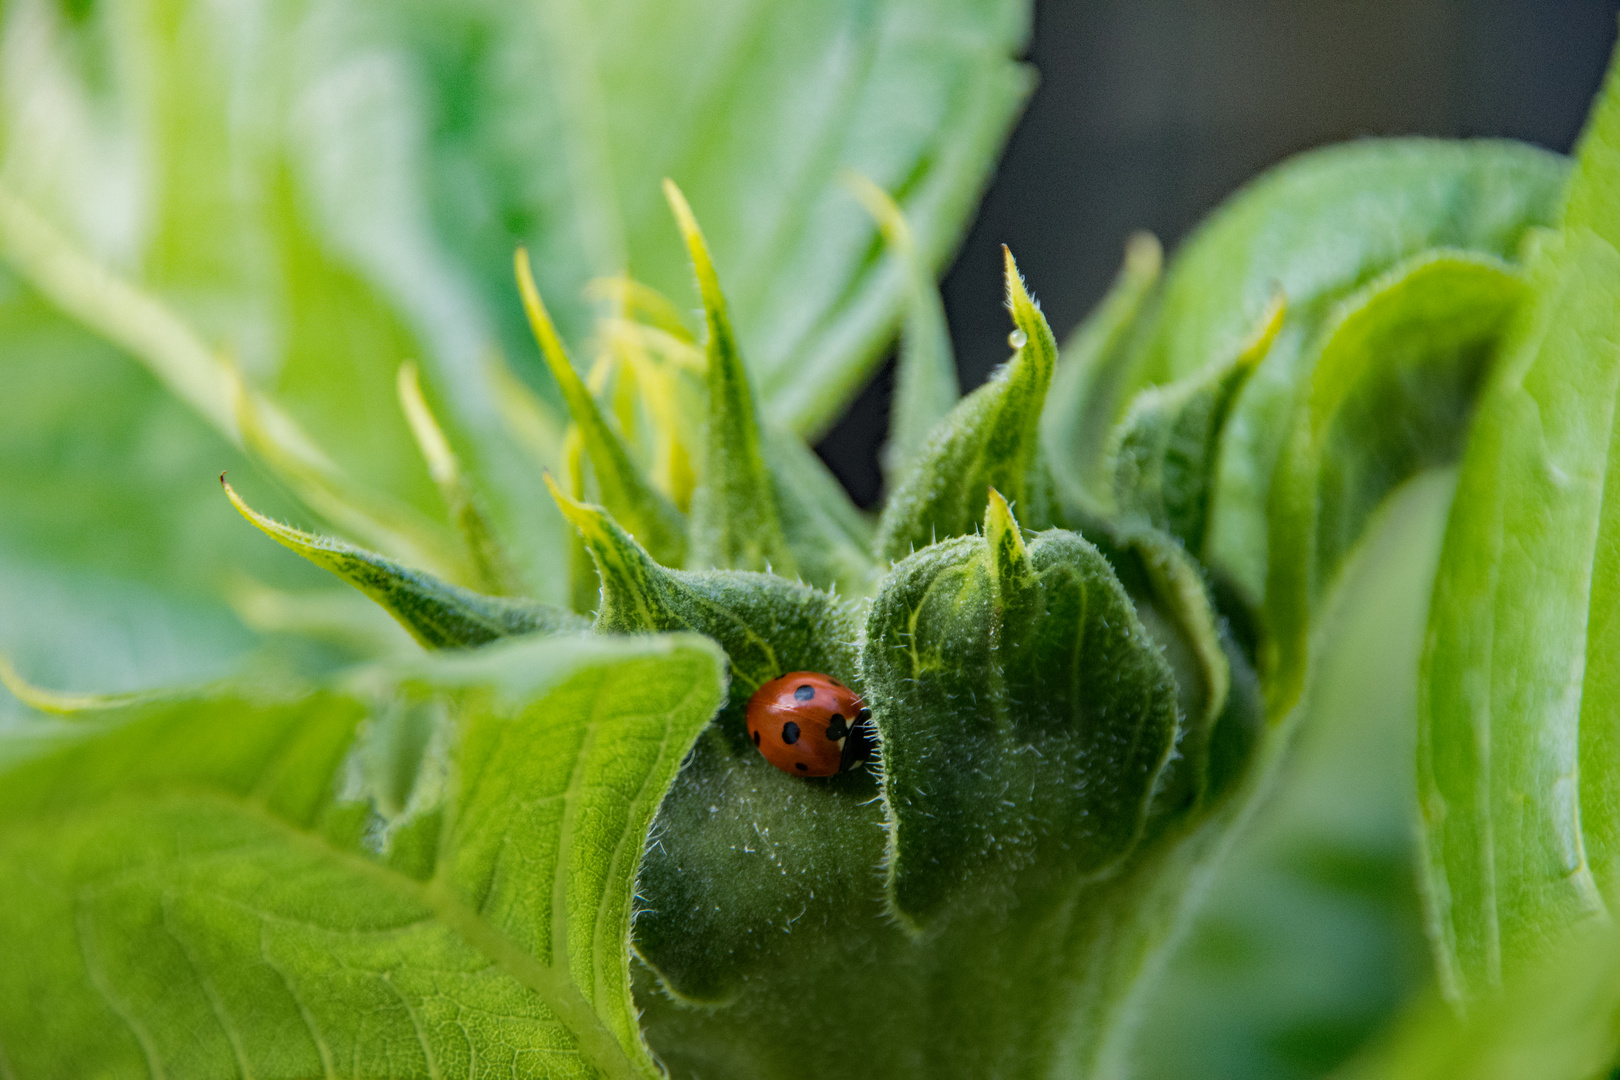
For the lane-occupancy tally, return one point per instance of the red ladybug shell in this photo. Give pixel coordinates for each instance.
(809, 724)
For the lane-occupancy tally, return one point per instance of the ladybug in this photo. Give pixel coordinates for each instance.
(810, 724)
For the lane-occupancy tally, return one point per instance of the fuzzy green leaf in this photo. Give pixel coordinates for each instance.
(1025, 716)
(1084, 402)
(709, 895)
(734, 521)
(1164, 457)
(437, 614)
(1216, 691)
(990, 440)
(625, 492)
(212, 905)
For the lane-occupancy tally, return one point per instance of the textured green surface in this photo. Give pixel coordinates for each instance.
(991, 439)
(1025, 717)
(204, 885)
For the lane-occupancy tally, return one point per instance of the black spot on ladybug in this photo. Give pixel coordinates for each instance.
(804, 693)
(756, 738)
(790, 733)
(801, 766)
(836, 728)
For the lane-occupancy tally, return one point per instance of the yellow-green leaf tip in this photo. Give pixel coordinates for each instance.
(59, 702)
(1265, 330)
(430, 439)
(317, 549)
(582, 516)
(1002, 532)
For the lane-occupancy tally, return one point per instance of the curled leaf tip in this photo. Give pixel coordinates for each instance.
(1265, 329)
(1003, 534)
(582, 516)
(60, 702)
(1144, 255)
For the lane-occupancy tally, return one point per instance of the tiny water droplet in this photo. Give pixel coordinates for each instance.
(1017, 338)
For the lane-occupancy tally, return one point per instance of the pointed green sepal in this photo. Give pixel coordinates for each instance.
(1025, 715)
(437, 614)
(1165, 449)
(1011, 571)
(735, 524)
(649, 516)
(991, 439)
(639, 596)
(489, 559)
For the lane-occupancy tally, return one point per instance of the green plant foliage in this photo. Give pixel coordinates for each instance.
(1164, 462)
(925, 385)
(1318, 228)
(232, 908)
(1516, 759)
(1105, 595)
(319, 192)
(437, 614)
(734, 520)
(1088, 386)
(1392, 387)
(1025, 716)
(990, 440)
(1311, 934)
(648, 515)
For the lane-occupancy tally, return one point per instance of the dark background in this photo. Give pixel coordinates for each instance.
(1149, 112)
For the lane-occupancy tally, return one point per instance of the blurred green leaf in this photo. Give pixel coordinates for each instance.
(1166, 447)
(1310, 937)
(209, 905)
(1560, 1020)
(490, 565)
(551, 125)
(1317, 228)
(1088, 386)
(925, 384)
(1391, 391)
(991, 439)
(1518, 779)
(830, 538)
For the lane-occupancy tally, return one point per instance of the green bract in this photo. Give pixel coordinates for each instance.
(1106, 588)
